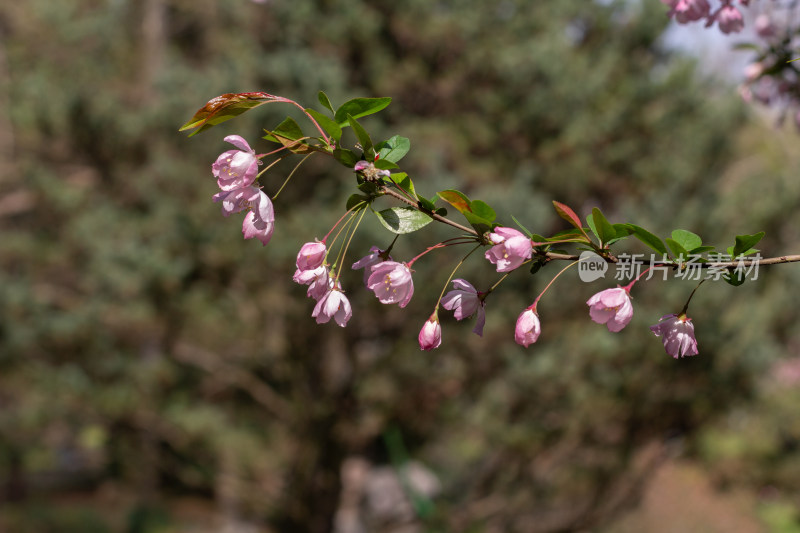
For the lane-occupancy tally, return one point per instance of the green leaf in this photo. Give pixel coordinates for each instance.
(687, 239)
(745, 243)
(346, 157)
(393, 149)
(677, 249)
(429, 205)
(225, 107)
(359, 107)
(356, 199)
(734, 278)
(384, 164)
(483, 210)
(404, 183)
(604, 228)
(325, 101)
(288, 129)
(363, 137)
(569, 235)
(327, 124)
(403, 219)
(701, 250)
(590, 223)
(648, 239)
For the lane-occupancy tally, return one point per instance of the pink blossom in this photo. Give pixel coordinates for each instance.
(237, 200)
(392, 283)
(367, 261)
(318, 281)
(334, 304)
(235, 169)
(686, 11)
(729, 18)
(311, 255)
(511, 249)
(430, 336)
(528, 327)
(259, 222)
(764, 26)
(677, 333)
(464, 301)
(611, 307)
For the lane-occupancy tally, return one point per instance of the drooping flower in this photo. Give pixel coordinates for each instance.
(367, 261)
(464, 301)
(511, 249)
(259, 222)
(235, 169)
(611, 307)
(528, 327)
(237, 200)
(333, 304)
(392, 283)
(677, 333)
(689, 10)
(311, 255)
(729, 18)
(318, 281)
(430, 336)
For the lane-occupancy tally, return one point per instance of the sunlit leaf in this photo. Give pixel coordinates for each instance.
(403, 219)
(225, 107)
(359, 107)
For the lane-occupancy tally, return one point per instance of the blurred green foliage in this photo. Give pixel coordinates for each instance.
(148, 353)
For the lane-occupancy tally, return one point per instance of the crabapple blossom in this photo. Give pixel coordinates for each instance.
(367, 261)
(237, 200)
(611, 307)
(511, 249)
(311, 255)
(728, 18)
(259, 222)
(333, 304)
(318, 281)
(465, 301)
(528, 327)
(677, 333)
(235, 169)
(430, 336)
(689, 10)
(392, 283)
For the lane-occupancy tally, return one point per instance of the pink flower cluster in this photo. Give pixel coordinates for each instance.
(728, 17)
(236, 170)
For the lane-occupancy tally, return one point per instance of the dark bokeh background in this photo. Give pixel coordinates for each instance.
(160, 374)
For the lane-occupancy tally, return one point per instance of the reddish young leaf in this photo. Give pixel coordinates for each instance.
(225, 107)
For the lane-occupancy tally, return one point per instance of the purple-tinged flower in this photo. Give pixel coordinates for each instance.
(259, 222)
(464, 301)
(311, 255)
(764, 26)
(677, 333)
(369, 171)
(430, 336)
(392, 283)
(528, 327)
(511, 249)
(611, 307)
(367, 261)
(333, 304)
(690, 10)
(237, 200)
(729, 18)
(235, 169)
(318, 281)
